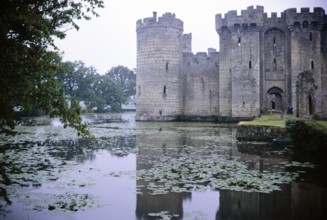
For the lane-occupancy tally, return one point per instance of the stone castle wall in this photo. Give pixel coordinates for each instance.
(258, 67)
(201, 86)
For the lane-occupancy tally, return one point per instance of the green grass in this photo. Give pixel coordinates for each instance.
(267, 120)
(273, 120)
(323, 123)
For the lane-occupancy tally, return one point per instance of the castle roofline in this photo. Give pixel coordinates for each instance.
(252, 16)
(168, 19)
(256, 17)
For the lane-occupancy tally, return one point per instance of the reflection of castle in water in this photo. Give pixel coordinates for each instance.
(171, 141)
(295, 201)
(298, 200)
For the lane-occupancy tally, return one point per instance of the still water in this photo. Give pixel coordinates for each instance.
(150, 170)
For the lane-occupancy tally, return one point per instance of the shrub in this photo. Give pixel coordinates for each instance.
(308, 136)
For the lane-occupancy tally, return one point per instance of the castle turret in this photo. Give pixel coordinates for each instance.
(306, 29)
(239, 69)
(159, 59)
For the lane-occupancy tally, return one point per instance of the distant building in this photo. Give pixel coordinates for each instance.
(130, 106)
(265, 63)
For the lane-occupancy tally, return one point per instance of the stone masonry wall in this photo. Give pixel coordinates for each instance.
(201, 87)
(245, 71)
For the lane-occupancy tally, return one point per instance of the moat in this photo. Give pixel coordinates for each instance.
(152, 170)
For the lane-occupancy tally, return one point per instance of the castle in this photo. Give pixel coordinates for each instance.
(265, 63)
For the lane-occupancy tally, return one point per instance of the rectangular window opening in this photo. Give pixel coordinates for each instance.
(250, 65)
(239, 41)
(310, 36)
(312, 64)
(167, 66)
(274, 41)
(164, 90)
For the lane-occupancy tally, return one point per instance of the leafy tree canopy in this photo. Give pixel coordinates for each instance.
(97, 91)
(29, 60)
(125, 79)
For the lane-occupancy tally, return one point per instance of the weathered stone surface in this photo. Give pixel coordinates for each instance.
(260, 133)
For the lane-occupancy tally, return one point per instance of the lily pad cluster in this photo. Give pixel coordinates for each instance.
(52, 202)
(185, 175)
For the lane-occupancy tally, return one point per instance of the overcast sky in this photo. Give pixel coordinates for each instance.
(110, 40)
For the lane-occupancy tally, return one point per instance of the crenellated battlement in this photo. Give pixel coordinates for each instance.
(166, 20)
(255, 17)
(202, 58)
(251, 17)
(305, 18)
(274, 20)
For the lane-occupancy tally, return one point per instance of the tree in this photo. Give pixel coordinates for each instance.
(95, 90)
(107, 93)
(77, 81)
(29, 60)
(125, 79)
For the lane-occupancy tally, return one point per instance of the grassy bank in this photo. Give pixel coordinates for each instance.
(274, 120)
(267, 120)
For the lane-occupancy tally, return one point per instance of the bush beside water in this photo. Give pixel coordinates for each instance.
(308, 136)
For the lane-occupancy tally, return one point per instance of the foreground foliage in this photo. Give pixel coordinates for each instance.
(29, 60)
(309, 136)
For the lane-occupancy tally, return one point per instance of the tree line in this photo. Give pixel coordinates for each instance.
(98, 93)
(92, 91)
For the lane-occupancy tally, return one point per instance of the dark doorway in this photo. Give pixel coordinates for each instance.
(275, 99)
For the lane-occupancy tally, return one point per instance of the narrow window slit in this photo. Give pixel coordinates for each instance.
(274, 41)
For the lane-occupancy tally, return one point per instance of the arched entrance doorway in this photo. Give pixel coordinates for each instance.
(275, 99)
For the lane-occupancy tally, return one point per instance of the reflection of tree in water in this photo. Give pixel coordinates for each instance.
(21, 162)
(83, 149)
(4, 180)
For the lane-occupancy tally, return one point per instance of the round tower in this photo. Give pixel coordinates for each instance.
(159, 60)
